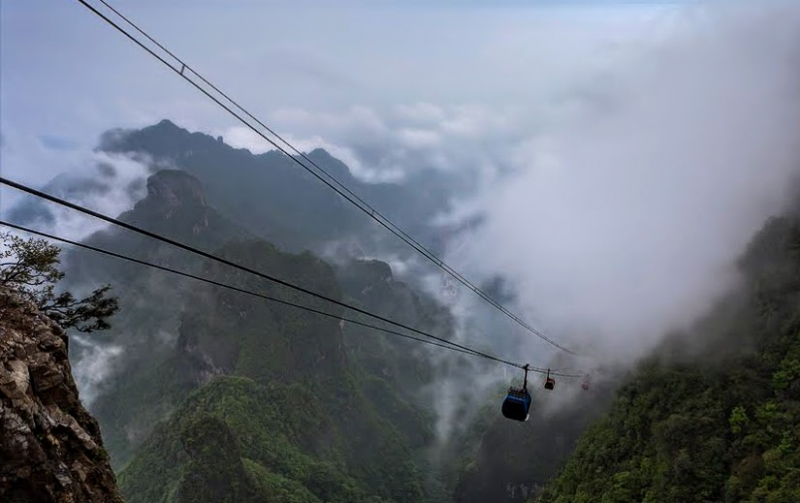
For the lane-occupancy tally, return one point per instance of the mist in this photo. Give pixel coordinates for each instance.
(613, 193)
(109, 184)
(94, 365)
(614, 204)
(623, 218)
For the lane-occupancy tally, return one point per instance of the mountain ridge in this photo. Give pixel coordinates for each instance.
(718, 423)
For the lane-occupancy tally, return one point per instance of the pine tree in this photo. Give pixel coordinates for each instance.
(30, 267)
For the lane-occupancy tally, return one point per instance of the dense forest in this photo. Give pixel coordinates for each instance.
(305, 408)
(714, 415)
(225, 397)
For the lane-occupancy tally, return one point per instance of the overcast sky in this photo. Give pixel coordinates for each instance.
(66, 76)
(650, 138)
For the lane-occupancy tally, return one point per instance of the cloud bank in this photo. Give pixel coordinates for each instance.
(624, 218)
(109, 184)
(618, 162)
(617, 203)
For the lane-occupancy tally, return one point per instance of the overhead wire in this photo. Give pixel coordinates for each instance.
(204, 254)
(261, 295)
(331, 181)
(215, 258)
(224, 285)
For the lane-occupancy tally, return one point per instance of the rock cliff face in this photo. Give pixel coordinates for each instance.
(170, 189)
(50, 447)
(176, 195)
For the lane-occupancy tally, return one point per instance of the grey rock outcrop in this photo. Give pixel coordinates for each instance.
(50, 447)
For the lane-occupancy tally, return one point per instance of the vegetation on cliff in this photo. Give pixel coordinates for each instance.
(715, 416)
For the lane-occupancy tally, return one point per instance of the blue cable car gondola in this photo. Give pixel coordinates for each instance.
(517, 404)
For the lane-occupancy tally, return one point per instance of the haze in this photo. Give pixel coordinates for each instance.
(624, 153)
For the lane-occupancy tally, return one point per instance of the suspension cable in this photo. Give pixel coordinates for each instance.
(319, 173)
(264, 296)
(207, 255)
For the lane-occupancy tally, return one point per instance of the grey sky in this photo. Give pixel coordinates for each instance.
(67, 76)
(304, 66)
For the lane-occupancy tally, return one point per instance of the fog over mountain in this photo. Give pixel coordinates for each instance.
(615, 207)
(597, 169)
(623, 222)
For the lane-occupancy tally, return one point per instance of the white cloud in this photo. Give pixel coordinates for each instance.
(95, 365)
(109, 184)
(618, 204)
(624, 220)
(625, 154)
(419, 113)
(416, 138)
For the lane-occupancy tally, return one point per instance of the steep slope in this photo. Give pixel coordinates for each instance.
(148, 381)
(279, 390)
(298, 412)
(50, 447)
(716, 416)
(371, 285)
(284, 437)
(509, 462)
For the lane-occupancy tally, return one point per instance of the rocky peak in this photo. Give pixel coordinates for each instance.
(50, 447)
(177, 197)
(172, 188)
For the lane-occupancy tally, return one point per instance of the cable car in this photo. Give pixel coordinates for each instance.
(585, 384)
(517, 404)
(549, 382)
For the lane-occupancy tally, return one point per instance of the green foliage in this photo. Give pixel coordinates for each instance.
(710, 430)
(277, 488)
(290, 445)
(215, 472)
(30, 267)
(140, 401)
(738, 419)
(299, 414)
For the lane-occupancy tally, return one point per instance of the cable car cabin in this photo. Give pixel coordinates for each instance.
(549, 382)
(517, 404)
(585, 384)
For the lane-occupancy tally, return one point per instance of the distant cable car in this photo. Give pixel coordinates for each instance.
(517, 404)
(585, 384)
(549, 382)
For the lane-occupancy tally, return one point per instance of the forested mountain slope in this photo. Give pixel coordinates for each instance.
(299, 403)
(715, 415)
(291, 411)
(512, 461)
(308, 407)
(278, 200)
(149, 380)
